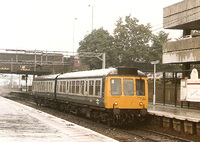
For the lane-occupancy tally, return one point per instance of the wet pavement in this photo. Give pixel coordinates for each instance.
(20, 123)
(174, 112)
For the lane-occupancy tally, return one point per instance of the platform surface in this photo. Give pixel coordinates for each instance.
(174, 112)
(20, 123)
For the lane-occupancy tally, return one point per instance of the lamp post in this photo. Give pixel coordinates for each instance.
(154, 80)
(92, 15)
(74, 33)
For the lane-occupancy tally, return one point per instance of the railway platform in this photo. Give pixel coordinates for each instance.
(180, 119)
(20, 123)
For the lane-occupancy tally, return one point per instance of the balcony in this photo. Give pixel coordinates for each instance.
(182, 15)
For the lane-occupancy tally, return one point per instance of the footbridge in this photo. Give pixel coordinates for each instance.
(33, 62)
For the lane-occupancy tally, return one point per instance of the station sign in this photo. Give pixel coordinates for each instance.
(190, 88)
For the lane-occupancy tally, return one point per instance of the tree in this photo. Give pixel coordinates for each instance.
(157, 44)
(99, 41)
(155, 52)
(131, 41)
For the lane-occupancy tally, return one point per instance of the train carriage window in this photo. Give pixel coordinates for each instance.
(70, 86)
(128, 87)
(64, 86)
(77, 87)
(97, 87)
(39, 86)
(116, 87)
(91, 87)
(52, 87)
(57, 86)
(86, 87)
(42, 86)
(61, 86)
(82, 87)
(73, 86)
(47, 86)
(140, 87)
(67, 87)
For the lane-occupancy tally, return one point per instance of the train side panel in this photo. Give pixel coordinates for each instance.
(86, 91)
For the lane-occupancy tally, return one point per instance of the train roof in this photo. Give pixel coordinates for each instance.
(51, 76)
(96, 73)
(102, 72)
(90, 73)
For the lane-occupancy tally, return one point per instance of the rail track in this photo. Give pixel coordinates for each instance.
(136, 133)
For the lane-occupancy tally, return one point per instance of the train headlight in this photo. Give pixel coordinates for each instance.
(141, 104)
(115, 103)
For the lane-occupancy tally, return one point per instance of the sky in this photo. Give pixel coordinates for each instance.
(59, 25)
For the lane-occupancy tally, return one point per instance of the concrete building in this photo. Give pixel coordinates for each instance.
(184, 15)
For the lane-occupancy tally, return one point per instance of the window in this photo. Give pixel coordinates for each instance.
(97, 87)
(47, 83)
(128, 87)
(64, 86)
(140, 87)
(70, 86)
(77, 87)
(82, 88)
(73, 86)
(61, 85)
(86, 87)
(51, 86)
(67, 87)
(116, 87)
(57, 86)
(42, 86)
(91, 87)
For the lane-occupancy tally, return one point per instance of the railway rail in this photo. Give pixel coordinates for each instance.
(136, 133)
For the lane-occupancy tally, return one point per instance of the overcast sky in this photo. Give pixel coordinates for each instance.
(48, 24)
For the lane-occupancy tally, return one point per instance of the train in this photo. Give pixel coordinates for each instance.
(115, 96)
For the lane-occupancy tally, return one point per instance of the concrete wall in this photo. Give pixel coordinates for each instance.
(187, 50)
(182, 15)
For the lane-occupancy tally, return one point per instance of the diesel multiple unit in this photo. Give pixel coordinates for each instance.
(115, 96)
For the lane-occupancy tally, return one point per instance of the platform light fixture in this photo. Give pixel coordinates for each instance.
(154, 80)
(92, 15)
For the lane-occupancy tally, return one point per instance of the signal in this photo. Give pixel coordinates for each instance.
(23, 77)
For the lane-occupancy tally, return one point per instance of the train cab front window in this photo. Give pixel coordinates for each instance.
(128, 87)
(116, 87)
(140, 87)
